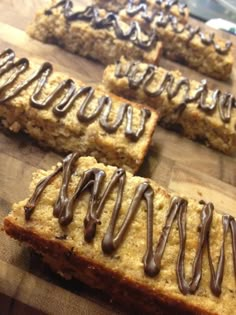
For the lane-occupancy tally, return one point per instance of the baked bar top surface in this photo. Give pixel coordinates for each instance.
(94, 33)
(123, 257)
(176, 88)
(203, 113)
(189, 45)
(173, 7)
(193, 170)
(64, 114)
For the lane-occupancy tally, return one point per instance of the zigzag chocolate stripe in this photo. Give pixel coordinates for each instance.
(142, 6)
(91, 14)
(92, 180)
(70, 93)
(223, 102)
(163, 20)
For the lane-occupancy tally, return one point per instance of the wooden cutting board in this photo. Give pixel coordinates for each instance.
(26, 285)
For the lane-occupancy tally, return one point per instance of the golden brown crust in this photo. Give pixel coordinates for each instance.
(193, 53)
(66, 250)
(116, 6)
(94, 274)
(195, 123)
(81, 38)
(67, 133)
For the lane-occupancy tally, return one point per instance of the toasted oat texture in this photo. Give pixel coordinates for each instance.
(184, 105)
(202, 51)
(115, 255)
(67, 115)
(173, 7)
(92, 34)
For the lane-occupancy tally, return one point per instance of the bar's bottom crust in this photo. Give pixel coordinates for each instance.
(137, 298)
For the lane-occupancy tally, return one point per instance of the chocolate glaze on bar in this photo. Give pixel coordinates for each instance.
(161, 19)
(223, 102)
(70, 93)
(133, 7)
(111, 20)
(92, 180)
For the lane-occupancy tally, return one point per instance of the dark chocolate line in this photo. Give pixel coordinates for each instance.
(68, 94)
(111, 20)
(142, 6)
(32, 202)
(162, 19)
(223, 102)
(92, 180)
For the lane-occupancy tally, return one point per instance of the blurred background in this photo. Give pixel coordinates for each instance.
(211, 9)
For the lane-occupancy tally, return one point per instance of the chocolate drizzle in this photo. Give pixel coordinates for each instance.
(92, 180)
(68, 93)
(223, 102)
(161, 19)
(134, 8)
(111, 20)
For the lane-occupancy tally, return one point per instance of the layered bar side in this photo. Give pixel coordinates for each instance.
(94, 33)
(187, 106)
(69, 115)
(187, 44)
(176, 8)
(159, 252)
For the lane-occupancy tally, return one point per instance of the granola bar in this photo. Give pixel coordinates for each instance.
(155, 251)
(174, 7)
(189, 45)
(68, 115)
(187, 106)
(94, 33)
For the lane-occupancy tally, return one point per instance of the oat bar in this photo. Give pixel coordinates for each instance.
(174, 7)
(156, 252)
(186, 105)
(69, 115)
(94, 33)
(186, 44)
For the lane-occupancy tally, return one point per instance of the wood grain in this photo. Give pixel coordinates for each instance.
(191, 169)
